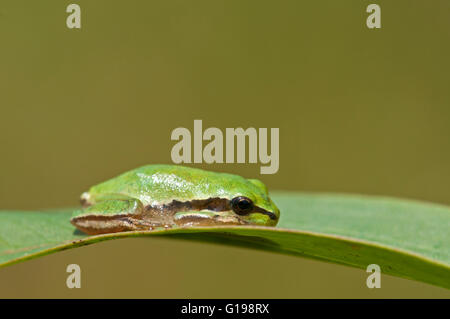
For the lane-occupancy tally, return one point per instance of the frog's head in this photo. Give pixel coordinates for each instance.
(254, 206)
(233, 200)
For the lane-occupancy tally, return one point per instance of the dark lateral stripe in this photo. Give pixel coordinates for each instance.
(265, 212)
(213, 204)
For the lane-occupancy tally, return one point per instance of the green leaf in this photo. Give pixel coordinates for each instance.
(408, 239)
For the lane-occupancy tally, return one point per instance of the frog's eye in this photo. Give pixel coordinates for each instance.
(242, 205)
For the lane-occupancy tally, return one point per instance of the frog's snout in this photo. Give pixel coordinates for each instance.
(274, 216)
(271, 215)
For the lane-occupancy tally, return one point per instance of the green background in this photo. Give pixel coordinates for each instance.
(359, 110)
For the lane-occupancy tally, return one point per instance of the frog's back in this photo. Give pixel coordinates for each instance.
(156, 184)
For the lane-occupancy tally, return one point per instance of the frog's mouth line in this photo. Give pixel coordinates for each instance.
(215, 204)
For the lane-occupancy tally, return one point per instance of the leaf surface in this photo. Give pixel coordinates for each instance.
(409, 239)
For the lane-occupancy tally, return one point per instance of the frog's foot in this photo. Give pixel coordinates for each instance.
(111, 216)
(207, 218)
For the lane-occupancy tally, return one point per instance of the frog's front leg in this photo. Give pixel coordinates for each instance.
(111, 216)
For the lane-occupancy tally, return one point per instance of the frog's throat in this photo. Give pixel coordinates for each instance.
(215, 204)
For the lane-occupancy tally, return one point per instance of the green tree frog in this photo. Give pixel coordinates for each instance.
(155, 196)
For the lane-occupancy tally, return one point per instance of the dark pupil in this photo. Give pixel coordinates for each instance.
(244, 204)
